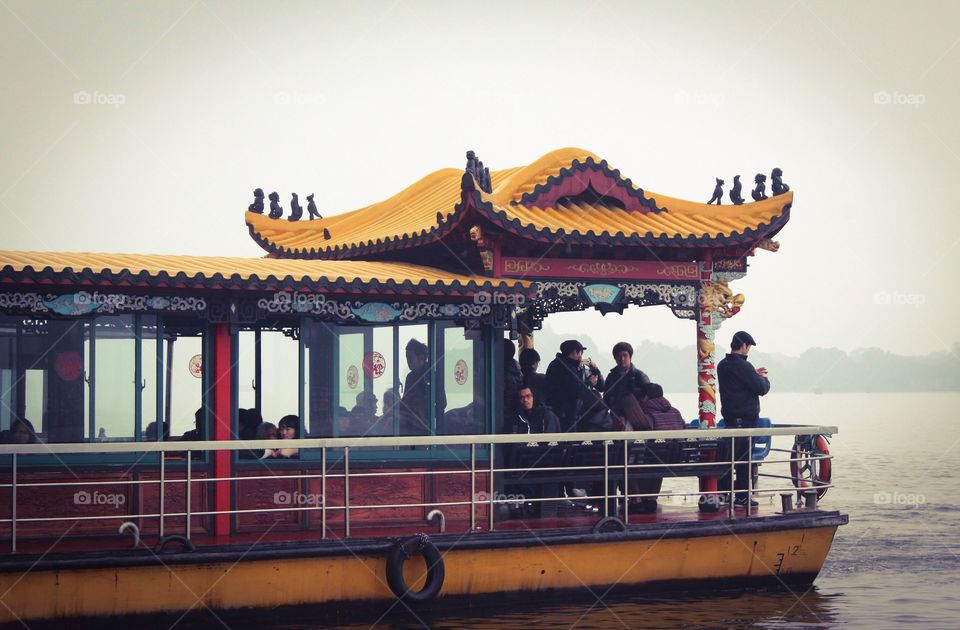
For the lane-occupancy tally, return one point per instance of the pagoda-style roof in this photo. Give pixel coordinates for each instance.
(567, 196)
(242, 274)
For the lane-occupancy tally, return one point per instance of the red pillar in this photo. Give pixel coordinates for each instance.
(222, 424)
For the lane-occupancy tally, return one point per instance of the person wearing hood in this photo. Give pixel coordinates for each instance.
(741, 386)
(662, 415)
(566, 384)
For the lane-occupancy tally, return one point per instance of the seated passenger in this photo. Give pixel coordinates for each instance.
(363, 417)
(196, 433)
(289, 430)
(21, 431)
(266, 431)
(623, 388)
(250, 420)
(662, 415)
(532, 417)
(150, 433)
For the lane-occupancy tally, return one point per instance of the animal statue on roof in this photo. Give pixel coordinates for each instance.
(776, 182)
(479, 172)
(312, 208)
(760, 192)
(295, 210)
(257, 205)
(326, 234)
(735, 195)
(276, 210)
(717, 193)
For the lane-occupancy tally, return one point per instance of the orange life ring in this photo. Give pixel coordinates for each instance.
(805, 470)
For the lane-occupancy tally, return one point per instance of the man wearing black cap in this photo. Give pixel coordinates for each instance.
(565, 383)
(740, 389)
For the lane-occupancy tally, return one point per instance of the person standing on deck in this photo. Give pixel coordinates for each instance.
(624, 388)
(566, 383)
(741, 386)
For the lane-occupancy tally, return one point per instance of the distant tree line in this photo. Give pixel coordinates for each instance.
(815, 370)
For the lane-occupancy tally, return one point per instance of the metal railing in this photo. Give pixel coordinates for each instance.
(615, 495)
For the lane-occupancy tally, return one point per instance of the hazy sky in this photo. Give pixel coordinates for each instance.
(143, 127)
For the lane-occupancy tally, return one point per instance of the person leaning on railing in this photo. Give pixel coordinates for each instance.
(741, 386)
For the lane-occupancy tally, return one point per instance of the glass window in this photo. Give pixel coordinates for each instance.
(184, 374)
(460, 380)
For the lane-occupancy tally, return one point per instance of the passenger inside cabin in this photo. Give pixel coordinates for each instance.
(150, 433)
(250, 420)
(289, 429)
(196, 433)
(266, 431)
(415, 401)
(21, 431)
(364, 419)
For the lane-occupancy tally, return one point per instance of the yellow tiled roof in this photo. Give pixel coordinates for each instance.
(413, 213)
(253, 273)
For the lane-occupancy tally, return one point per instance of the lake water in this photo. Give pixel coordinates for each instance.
(897, 471)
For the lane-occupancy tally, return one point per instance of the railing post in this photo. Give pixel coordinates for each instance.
(346, 490)
(163, 469)
(189, 492)
(626, 481)
(492, 495)
(323, 492)
(13, 505)
(749, 475)
(733, 463)
(606, 478)
(473, 486)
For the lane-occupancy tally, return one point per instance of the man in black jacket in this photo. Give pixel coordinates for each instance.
(740, 389)
(624, 387)
(566, 383)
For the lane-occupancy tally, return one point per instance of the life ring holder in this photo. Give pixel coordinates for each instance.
(806, 469)
(404, 549)
(173, 539)
(609, 525)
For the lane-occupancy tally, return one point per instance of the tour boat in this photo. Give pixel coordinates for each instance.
(324, 425)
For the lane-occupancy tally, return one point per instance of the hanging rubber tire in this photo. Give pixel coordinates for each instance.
(419, 544)
(609, 525)
(174, 539)
(807, 472)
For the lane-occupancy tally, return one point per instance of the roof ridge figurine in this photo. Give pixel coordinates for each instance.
(776, 182)
(735, 195)
(257, 205)
(717, 193)
(760, 192)
(276, 210)
(312, 208)
(295, 210)
(479, 172)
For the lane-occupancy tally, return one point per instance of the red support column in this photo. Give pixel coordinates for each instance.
(222, 424)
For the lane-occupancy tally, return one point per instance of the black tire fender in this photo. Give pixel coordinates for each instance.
(609, 525)
(405, 548)
(183, 541)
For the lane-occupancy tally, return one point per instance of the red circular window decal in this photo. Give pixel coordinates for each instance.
(374, 365)
(68, 365)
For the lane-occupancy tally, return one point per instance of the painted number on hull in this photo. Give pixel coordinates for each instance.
(791, 551)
